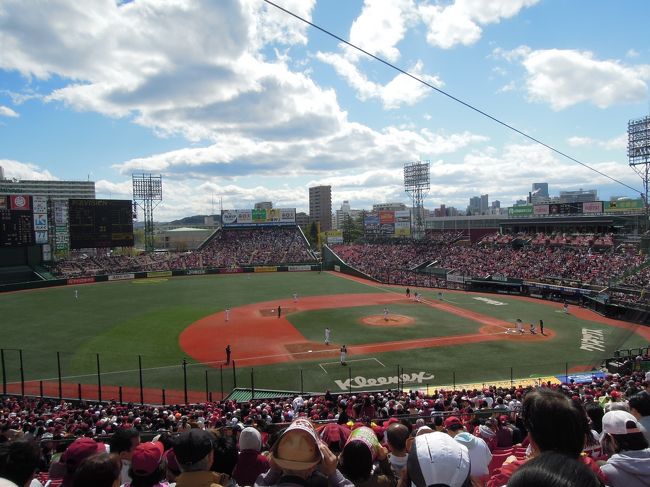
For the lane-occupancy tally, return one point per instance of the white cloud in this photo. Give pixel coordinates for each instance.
(563, 78)
(461, 21)
(401, 90)
(7, 112)
(618, 143)
(632, 53)
(24, 170)
(381, 26)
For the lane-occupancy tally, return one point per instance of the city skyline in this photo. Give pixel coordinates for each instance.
(270, 106)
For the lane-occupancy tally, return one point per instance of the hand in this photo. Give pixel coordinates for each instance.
(382, 453)
(328, 465)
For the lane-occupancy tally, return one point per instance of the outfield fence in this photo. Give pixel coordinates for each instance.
(141, 379)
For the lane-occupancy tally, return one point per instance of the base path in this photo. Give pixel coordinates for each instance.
(258, 337)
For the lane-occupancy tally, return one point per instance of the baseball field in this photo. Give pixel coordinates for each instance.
(152, 325)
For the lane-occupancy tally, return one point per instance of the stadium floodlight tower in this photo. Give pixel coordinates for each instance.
(638, 153)
(416, 183)
(147, 194)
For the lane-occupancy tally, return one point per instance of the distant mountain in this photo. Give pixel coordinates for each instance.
(195, 220)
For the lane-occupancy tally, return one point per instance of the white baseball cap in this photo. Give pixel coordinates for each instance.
(436, 458)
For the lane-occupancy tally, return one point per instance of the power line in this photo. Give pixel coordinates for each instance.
(448, 95)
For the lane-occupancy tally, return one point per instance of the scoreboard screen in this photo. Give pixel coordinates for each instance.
(100, 223)
(16, 221)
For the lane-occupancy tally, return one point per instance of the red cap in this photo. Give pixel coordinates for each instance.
(172, 463)
(452, 422)
(79, 450)
(147, 457)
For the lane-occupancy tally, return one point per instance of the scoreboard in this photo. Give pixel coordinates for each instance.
(16, 221)
(100, 223)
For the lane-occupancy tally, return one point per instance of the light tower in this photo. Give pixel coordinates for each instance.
(416, 183)
(638, 153)
(147, 194)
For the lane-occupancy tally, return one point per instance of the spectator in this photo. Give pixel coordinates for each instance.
(172, 470)
(123, 443)
(554, 423)
(147, 466)
(479, 453)
(195, 454)
(75, 454)
(296, 455)
(396, 436)
(623, 439)
(552, 469)
(436, 459)
(358, 459)
(250, 463)
(98, 470)
(18, 461)
(640, 409)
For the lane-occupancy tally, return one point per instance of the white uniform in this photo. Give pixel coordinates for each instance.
(385, 314)
(328, 336)
(520, 326)
(295, 297)
(227, 313)
(344, 354)
(76, 294)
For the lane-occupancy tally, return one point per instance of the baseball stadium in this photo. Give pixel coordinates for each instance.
(454, 308)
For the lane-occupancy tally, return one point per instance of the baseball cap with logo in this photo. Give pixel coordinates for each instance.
(436, 458)
(146, 457)
(620, 423)
(297, 448)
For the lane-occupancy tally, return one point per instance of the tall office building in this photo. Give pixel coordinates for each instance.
(540, 190)
(53, 189)
(485, 204)
(320, 206)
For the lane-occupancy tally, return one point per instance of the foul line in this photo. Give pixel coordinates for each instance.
(354, 360)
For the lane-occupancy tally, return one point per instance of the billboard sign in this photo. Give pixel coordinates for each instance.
(520, 210)
(592, 207)
(624, 206)
(258, 217)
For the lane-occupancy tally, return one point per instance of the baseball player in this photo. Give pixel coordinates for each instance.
(520, 325)
(227, 314)
(344, 355)
(385, 314)
(328, 335)
(295, 297)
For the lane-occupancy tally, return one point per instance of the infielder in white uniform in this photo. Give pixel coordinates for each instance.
(227, 313)
(328, 336)
(344, 354)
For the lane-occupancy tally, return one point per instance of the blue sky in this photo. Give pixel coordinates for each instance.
(234, 100)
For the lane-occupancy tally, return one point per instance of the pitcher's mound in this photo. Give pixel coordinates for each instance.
(390, 320)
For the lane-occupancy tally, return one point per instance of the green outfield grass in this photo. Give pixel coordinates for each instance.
(123, 320)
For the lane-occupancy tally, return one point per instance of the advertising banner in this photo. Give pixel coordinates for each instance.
(244, 217)
(299, 268)
(40, 237)
(371, 224)
(540, 210)
(81, 280)
(40, 204)
(592, 207)
(521, 210)
(4, 203)
(403, 216)
(455, 278)
(121, 277)
(60, 212)
(288, 215)
(47, 252)
(334, 236)
(231, 270)
(195, 272)
(402, 229)
(159, 274)
(40, 221)
(388, 229)
(386, 216)
(266, 269)
(259, 215)
(565, 209)
(19, 203)
(623, 206)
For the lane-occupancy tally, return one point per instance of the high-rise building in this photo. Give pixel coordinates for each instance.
(53, 189)
(320, 206)
(485, 204)
(578, 196)
(540, 190)
(474, 205)
(340, 215)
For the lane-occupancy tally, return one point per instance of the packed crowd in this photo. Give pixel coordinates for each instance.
(588, 240)
(228, 248)
(594, 433)
(530, 262)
